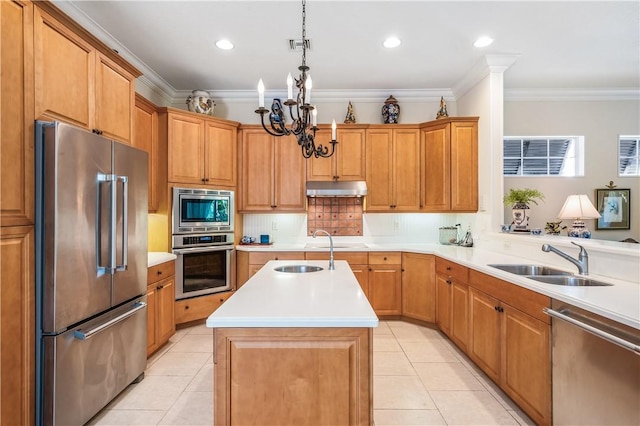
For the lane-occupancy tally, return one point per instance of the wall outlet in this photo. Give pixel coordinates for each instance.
(274, 225)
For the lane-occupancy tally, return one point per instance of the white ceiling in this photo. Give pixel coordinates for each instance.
(561, 45)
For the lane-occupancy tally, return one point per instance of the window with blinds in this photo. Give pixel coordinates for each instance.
(543, 156)
(628, 156)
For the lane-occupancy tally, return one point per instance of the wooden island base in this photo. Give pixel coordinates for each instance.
(293, 376)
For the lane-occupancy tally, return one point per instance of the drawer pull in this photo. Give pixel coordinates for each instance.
(159, 272)
(448, 268)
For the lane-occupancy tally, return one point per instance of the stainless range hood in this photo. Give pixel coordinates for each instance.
(336, 189)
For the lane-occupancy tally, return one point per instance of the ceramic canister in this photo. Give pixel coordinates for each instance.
(390, 111)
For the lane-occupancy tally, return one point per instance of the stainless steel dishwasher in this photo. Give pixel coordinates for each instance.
(596, 369)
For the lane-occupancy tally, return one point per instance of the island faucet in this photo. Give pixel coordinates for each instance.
(331, 265)
(582, 262)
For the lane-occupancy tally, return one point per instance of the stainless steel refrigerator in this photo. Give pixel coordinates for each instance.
(91, 271)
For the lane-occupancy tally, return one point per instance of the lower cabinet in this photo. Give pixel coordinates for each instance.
(452, 301)
(161, 291)
(419, 286)
(385, 282)
(358, 261)
(510, 342)
(200, 307)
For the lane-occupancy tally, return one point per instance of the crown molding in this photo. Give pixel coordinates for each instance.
(488, 64)
(559, 95)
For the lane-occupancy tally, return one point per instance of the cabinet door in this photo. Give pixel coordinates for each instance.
(115, 99)
(152, 319)
(460, 314)
(289, 176)
(64, 73)
(257, 184)
(186, 149)
(419, 286)
(406, 170)
(145, 137)
(166, 324)
(436, 182)
(16, 113)
(526, 375)
(17, 324)
(220, 154)
(350, 156)
(443, 303)
(464, 166)
(324, 169)
(385, 289)
(361, 273)
(485, 336)
(379, 157)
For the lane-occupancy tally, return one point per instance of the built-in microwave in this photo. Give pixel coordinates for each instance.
(197, 210)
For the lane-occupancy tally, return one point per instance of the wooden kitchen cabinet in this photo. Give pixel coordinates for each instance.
(419, 286)
(198, 308)
(273, 173)
(358, 262)
(202, 149)
(250, 262)
(16, 107)
(347, 163)
(385, 282)
(452, 306)
(161, 293)
(145, 137)
(393, 169)
(450, 164)
(78, 79)
(510, 341)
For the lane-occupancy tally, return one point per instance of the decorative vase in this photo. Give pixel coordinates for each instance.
(200, 101)
(390, 111)
(520, 218)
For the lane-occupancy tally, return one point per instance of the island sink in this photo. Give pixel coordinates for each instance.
(298, 269)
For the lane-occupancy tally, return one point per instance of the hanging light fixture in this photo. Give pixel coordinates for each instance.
(302, 113)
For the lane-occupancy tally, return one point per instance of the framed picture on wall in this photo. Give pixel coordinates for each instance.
(613, 206)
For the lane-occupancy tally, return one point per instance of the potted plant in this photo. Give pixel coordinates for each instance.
(519, 200)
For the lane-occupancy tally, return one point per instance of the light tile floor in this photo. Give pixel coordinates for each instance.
(420, 378)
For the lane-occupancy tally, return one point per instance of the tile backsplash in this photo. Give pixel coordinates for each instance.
(338, 215)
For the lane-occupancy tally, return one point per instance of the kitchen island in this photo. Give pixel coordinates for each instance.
(294, 348)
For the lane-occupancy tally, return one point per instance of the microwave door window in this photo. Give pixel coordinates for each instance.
(209, 211)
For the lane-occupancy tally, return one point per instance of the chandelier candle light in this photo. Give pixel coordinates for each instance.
(303, 114)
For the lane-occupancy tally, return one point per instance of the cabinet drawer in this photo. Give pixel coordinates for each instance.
(385, 258)
(518, 297)
(161, 271)
(354, 258)
(452, 269)
(197, 308)
(260, 257)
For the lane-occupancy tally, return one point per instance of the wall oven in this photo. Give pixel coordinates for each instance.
(203, 241)
(204, 264)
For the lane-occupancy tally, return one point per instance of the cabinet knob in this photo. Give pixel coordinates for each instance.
(495, 308)
(276, 258)
(273, 206)
(159, 272)
(186, 307)
(448, 268)
(160, 287)
(449, 281)
(385, 258)
(206, 179)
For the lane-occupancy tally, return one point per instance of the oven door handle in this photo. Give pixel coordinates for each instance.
(201, 249)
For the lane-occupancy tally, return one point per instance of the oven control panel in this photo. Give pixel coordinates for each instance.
(202, 240)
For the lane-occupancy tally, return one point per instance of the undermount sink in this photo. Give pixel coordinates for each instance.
(298, 269)
(336, 245)
(569, 281)
(530, 270)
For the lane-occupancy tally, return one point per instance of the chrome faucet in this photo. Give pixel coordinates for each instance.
(583, 258)
(331, 265)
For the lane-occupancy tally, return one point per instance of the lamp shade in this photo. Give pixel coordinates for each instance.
(578, 207)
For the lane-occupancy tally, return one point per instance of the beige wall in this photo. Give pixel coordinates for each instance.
(600, 122)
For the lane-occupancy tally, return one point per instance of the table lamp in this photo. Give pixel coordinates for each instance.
(578, 207)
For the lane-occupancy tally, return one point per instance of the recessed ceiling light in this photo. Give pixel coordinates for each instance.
(392, 42)
(224, 44)
(483, 41)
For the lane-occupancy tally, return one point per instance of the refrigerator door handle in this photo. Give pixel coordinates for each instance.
(105, 269)
(125, 223)
(84, 335)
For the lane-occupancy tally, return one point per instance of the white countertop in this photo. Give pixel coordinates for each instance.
(620, 302)
(313, 299)
(157, 257)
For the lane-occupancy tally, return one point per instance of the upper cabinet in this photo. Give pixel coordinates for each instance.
(145, 137)
(78, 79)
(202, 149)
(273, 173)
(450, 164)
(393, 169)
(348, 161)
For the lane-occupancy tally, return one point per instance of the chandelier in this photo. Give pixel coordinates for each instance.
(302, 113)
